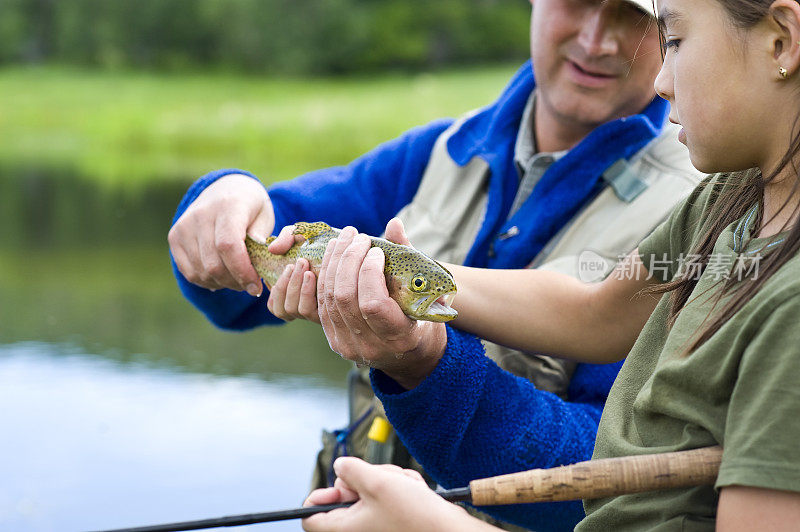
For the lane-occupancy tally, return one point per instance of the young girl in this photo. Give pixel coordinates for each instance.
(716, 358)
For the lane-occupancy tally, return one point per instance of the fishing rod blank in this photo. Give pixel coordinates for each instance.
(592, 479)
(454, 495)
(237, 520)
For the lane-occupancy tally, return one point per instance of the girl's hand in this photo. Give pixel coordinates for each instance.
(294, 295)
(388, 498)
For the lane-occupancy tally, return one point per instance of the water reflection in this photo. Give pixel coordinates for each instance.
(90, 267)
(120, 404)
(91, 443)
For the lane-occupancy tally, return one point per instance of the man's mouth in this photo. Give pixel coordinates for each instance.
(589, 71)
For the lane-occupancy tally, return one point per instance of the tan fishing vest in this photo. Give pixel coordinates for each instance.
(446, 213)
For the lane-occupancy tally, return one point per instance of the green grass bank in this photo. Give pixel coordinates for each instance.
(130, 129)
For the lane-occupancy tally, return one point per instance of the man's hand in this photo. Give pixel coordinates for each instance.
(362, 323)
(207, 241)
(389, 498)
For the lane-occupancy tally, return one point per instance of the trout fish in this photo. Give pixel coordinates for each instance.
(422, 287)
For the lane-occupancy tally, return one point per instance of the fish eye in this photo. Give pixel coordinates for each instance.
(419, 283)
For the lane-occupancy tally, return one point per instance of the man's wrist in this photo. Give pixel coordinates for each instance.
(420, 362)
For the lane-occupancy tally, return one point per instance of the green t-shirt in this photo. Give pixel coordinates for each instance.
(740, 389)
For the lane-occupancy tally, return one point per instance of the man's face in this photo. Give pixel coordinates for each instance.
(594, 60)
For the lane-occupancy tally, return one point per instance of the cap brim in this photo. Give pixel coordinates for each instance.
(645, 5)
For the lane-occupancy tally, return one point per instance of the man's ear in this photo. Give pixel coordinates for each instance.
(784, 22)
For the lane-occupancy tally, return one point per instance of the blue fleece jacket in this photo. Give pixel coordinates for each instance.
(469, 419)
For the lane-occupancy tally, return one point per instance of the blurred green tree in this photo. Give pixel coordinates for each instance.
(263, 36)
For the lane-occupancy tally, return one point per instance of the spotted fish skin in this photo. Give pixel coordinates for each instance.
(421, 286)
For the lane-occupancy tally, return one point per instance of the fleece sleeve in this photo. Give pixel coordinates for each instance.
(470, 419)
(366, 194)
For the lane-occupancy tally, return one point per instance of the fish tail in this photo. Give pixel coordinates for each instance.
(263, 261)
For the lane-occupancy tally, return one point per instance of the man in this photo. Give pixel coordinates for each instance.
(567, 172)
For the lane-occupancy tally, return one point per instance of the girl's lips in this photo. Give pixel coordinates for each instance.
(682, 136)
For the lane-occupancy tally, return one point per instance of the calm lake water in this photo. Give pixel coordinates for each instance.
(120, 405)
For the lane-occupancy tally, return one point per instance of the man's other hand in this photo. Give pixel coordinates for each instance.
(207, 241)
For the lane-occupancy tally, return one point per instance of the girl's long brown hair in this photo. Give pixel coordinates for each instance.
(745, 191)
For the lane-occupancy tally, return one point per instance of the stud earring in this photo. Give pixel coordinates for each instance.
(783, 72)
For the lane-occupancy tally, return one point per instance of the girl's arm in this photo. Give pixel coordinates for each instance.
(744, 508)
(549, 312)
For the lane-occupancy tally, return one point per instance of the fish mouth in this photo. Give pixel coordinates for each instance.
(433, 308)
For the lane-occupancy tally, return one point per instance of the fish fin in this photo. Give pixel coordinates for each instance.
(442, 267)
(311, 230)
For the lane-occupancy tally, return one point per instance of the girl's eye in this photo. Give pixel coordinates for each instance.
(671, 43)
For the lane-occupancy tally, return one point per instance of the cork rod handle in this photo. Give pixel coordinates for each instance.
(601, 478)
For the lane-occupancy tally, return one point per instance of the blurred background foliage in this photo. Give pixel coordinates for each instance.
(126, 92)
(263, 36)
(127, 129)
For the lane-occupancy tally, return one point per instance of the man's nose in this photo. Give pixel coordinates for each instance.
(599, 35)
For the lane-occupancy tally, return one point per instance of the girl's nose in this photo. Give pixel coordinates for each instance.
(664, 82)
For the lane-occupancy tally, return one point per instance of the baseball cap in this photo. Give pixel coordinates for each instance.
(645, 5)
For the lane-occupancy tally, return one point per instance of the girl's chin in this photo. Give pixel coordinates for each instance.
(712, 165)
(702, 163)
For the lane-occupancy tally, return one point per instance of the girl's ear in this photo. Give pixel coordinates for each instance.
(784, 20)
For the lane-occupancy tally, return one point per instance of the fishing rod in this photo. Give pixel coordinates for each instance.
(607, 477)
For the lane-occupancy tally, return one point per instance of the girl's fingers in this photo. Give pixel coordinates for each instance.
(323, 496)
(292, 299)
(277, 295)
(283, 241)
(346, 493)
(307, 305)
(360, 476)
